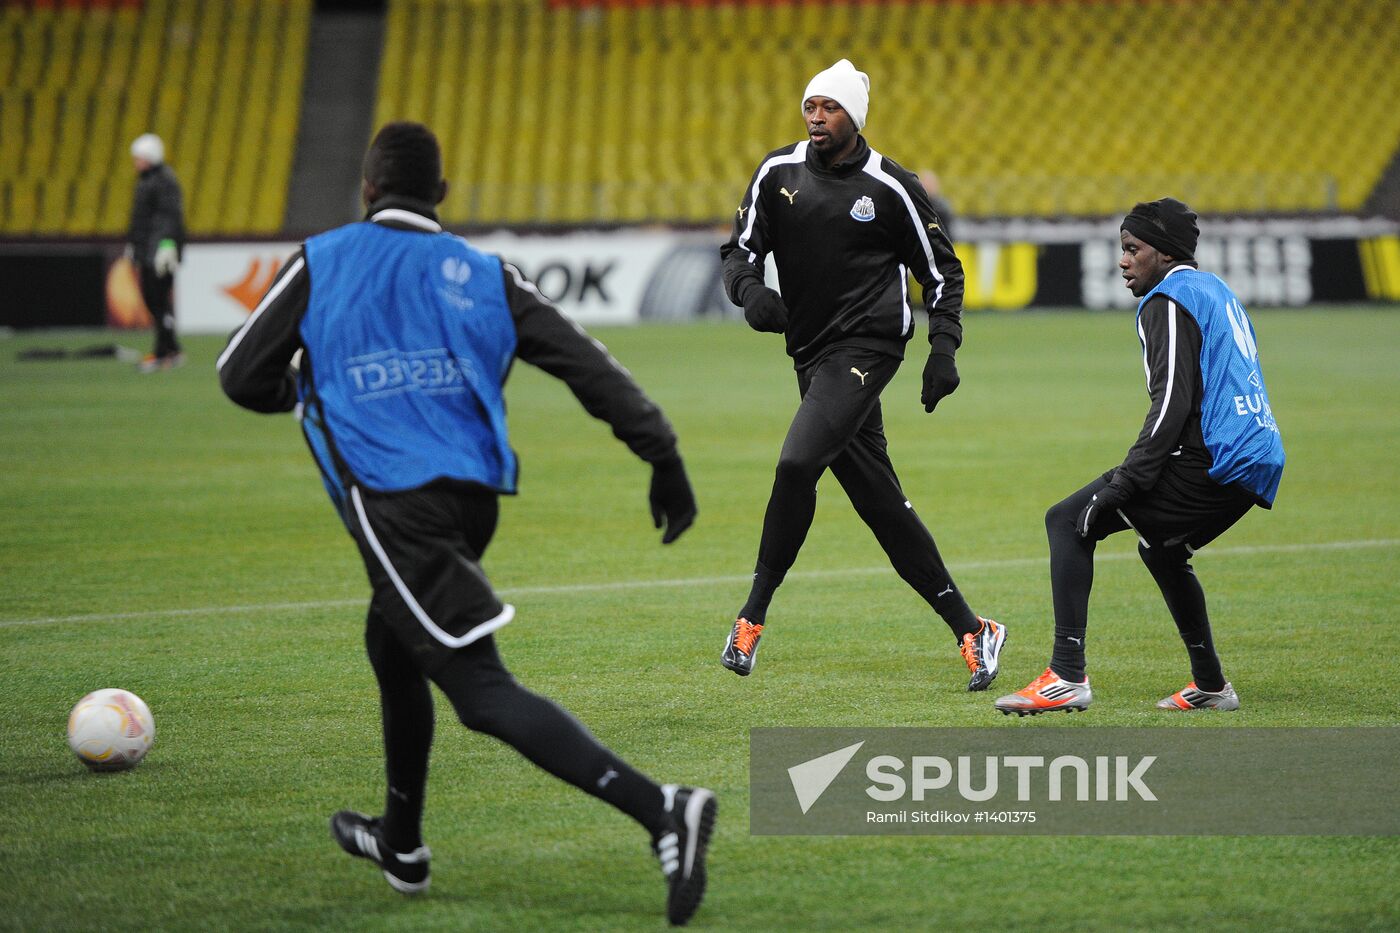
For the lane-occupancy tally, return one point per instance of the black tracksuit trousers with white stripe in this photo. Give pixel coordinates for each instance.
(482, 691)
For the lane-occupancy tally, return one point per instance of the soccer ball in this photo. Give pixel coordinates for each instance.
(111, 730)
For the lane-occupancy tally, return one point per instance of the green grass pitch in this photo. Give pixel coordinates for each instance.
(159, 539)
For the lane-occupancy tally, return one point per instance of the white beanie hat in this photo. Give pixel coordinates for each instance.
(843, 84)
(149, 147)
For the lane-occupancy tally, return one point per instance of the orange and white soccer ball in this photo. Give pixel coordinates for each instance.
(111, 730)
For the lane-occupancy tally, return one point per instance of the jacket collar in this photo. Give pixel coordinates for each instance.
(404, 214)
(849, 166)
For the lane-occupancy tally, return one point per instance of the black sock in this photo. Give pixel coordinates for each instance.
(408, 736)
(1071, 579)
(1171, 568)
(1205, 664)
(488, 699)
(955, 611)
(1067, 659)
(765, 584)
(406, 705)
(402, 823)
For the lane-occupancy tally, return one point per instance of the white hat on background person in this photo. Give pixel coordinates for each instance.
(843, 84)
(148, 146)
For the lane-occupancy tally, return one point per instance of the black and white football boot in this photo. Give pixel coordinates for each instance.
(981, 651)
(681, 849)
(358, 834)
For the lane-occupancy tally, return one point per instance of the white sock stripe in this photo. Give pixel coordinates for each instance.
(663, 583)
(420, 854)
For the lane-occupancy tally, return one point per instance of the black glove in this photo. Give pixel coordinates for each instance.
(1105, 501)
(940, 373)
(765, 311)
(672, 499)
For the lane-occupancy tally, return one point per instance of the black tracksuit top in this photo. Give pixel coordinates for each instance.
(844, 239)
(157, 213)
(254, 368)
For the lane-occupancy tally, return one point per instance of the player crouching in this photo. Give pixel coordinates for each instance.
(1208, 452)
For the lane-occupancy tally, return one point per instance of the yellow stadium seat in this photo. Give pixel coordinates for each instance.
(1018, 105)
(23, 207)
(80, 82)
(42, 132)
(557, 111)
(13, 108)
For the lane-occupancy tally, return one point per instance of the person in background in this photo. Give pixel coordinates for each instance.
(929, 179)
(155, 238)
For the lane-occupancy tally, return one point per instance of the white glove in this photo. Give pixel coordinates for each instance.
(167, 258)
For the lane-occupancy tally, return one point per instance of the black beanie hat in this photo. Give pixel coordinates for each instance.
(1167, 225)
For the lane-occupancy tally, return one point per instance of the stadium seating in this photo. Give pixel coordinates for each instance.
(633, 110)
(219, 81)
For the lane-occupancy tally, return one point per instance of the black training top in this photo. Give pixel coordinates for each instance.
(157, 213)
(254, 371)
(1170, 440)
(844, 239)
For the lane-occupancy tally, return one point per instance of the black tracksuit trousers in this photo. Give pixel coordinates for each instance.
(839, 425)
(1173, 520)
(157, 291)
(436, 561)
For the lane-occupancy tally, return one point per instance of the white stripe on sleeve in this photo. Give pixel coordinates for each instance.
(872, 168)
(1171, 364)
(797, 155)
(289, 273)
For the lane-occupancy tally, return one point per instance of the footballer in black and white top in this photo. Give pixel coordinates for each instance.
(846, 227)
(844, 235)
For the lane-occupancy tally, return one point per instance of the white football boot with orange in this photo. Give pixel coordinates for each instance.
(1047, 693)
(1192, 697)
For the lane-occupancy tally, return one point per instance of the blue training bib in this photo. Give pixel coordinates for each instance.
(1237, 421)
(410, 340)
